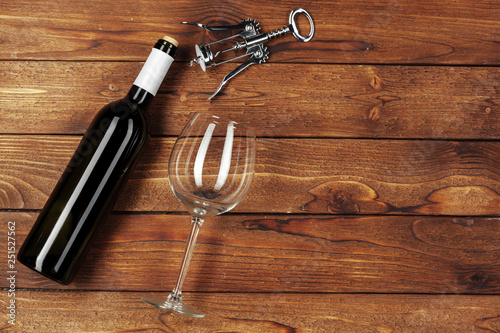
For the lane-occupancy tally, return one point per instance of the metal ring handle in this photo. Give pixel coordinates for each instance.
(295, 30)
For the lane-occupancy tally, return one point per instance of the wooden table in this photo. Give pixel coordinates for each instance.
(376, 201)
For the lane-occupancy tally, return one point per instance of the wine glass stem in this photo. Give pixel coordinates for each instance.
(196, 223)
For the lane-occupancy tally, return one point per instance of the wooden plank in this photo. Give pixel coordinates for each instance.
(317, 176)
(382, 31)
(283, 253)
(125, 312)
(347, 101)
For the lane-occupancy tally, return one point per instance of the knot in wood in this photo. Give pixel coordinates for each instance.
(477, 280)
(342, 202)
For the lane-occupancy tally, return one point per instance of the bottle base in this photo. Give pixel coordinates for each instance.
(60, 281)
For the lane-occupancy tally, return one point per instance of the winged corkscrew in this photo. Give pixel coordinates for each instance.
(252, 41)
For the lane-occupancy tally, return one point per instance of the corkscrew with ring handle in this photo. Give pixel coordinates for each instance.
(253, 42)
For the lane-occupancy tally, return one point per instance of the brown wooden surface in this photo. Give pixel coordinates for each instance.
(380, 31)
(292, 176)
(241, 312)
(369, 101)
(282, 253)
(376, 203)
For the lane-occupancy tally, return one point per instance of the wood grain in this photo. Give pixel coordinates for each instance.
(377, 194)
(283, 253)
(354, 101)
(376, 209)
(382, 31)
(319, 176)
(42, 312)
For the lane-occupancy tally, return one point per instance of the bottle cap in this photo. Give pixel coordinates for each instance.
(171, 40)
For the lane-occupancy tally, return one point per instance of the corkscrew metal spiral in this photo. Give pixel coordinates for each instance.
(252, 41)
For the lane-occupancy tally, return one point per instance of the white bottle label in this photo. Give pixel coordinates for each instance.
(153, 72)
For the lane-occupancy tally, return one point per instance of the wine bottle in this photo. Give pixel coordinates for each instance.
(95, 175)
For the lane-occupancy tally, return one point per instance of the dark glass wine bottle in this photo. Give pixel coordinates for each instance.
(95, 175)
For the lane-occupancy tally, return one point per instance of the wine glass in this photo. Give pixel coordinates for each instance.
(210, 171)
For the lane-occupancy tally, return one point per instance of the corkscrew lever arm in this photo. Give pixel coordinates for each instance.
(258, 53)
(233, 73)
(240, 26)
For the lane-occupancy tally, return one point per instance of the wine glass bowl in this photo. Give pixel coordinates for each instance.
(212, 164)
(210, 171)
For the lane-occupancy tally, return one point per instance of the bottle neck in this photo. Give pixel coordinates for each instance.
(156, 66)
(151, 76)
(140, 97)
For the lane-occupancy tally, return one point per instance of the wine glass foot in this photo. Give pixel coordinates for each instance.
(173, 306)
